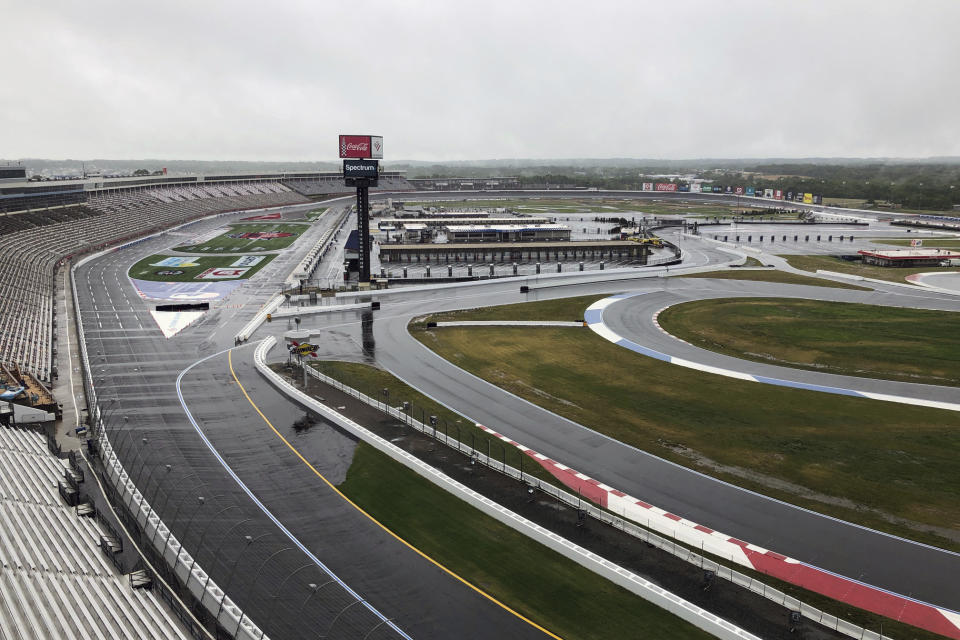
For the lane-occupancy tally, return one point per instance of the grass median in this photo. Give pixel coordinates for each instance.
(908, 345)
(888, 466)
(830, 263)
(537, 582)
(164, 268)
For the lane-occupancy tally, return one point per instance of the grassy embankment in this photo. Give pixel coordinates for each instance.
(928, 242)
(372, 474)
(832, 337)
(540, 584)
(829, 263)
(372, 381)
(888, 466)
(146, 269)
(223, 243)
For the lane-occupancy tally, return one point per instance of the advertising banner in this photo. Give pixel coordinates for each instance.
(221, 274)
(648, 186)
(684, 188)
(361, 168)
(175, 262)
(666, 186)
(247, 261)
(361, 146)
(695, 188)
(808, 198)
(729, 189)
(817, 198)
(718, 189)
(778, 194)
(738, 191)
(790, 195)
(768, 193)
(751, 191)
(916, 243)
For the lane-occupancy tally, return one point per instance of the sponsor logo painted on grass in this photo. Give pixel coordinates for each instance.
(175, 262)
(260, 235)
(169, 272)
(221, 274)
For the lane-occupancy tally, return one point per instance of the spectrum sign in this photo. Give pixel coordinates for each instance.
(361, 147)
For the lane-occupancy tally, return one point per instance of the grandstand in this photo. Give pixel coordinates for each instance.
(324, 184)
(55, 582)
(35, 240)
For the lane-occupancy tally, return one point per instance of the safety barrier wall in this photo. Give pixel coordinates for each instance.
(618, 575)
(197, 582)
(673, 546)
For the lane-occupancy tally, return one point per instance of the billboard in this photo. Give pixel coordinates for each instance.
(738, 191)
(361, 168)
(684, 187)
(768, 193)
(718, 189)
(808, 198)
(648, 186)
(695, 188)
(224, 273)
(729, 189)
(817, 198)
(778, 194)
(751, 191)
(666, 186)
(361, 146)
(789, 195)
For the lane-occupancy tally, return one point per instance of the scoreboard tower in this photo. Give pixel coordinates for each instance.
(361, 169)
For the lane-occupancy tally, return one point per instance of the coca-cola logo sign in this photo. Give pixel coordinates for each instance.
(361, 146)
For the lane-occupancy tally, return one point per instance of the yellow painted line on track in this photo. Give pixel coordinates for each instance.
(374, 520)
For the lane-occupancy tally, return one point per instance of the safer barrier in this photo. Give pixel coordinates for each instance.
(616, 574)
(576, 501)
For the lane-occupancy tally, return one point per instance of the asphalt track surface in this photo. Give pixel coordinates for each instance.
(892, 563)
(248, 553)
(633, 318)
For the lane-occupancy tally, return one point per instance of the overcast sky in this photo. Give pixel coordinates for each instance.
(448, 80)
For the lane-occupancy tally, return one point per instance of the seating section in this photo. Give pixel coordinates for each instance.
(37, 241)
(328, 185)
(55, 582)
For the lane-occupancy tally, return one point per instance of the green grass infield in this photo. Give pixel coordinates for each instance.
(250, 237)
(163, 268)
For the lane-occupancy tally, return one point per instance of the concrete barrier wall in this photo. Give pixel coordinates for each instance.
(189, 572)
(619, 575)
(668, 542)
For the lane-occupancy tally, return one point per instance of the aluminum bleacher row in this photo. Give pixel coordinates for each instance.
(32, 244)
(55, 582)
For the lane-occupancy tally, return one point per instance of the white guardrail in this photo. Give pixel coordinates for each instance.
(184, 566)
(645, 535)
(615, 573)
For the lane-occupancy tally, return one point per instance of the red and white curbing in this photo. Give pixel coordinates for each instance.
(846, 590)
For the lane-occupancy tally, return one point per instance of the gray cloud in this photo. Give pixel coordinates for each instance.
(467, 80)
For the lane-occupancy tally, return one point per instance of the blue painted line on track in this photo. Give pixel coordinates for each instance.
(809, 387)
(266, 511)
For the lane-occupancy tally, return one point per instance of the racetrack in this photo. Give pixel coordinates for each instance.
(135, 364)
